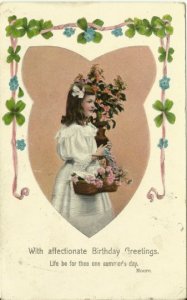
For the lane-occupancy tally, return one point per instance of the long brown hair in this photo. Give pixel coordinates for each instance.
(74, 110)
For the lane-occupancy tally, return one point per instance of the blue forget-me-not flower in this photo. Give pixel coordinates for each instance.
(117, 32)
(68, 31)
(13, 83)
(164, 83)
(20, 144)
(89, 34)
(163, 143)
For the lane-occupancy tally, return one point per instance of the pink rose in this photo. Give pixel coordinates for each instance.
(108, 168)
(110, 180)
(99, 183)
(101, 171)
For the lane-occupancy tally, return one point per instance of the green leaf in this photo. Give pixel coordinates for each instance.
(170, 117)
(47, 25)
(18, 48)
(98, 22)
(129, 20)
(40, 24)
(8, 30)
(24, 23)
(157, 22)
(33, 23)
(82, 24)
(21, 32)
(32, 32)
(20, 93)
(141, 29)
(81, 39)
(47, 35)
(171, 51)
(161, 50)
(169, 29)
(8, 118)
(20, 119)
(9, 59)
(20, 105)
(10, 50)
(160, 32)
(158, 105)
(18, 33)
(97, 37)
(169, 58)
(17, 58)
(10, 104)
(11, 18)
(138, 21)
(146, 22)
(167, 18)
(168, 105)
(159, 120)
(148, 31)
(154, 21)
(130, 32)
(162, 57)
(20, 22)
(33, 28)
(114, 123)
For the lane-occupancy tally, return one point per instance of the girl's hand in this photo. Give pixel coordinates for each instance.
(109, 145)
(100, 150)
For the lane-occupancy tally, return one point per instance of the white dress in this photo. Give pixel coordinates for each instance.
(89, 214)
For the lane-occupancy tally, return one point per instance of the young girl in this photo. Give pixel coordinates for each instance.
(76, 145)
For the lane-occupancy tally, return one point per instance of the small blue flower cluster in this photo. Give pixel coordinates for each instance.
(13, 83)
(163, 143)
(68, 31)
(110, 158)
(89, 34)
(20, 144)
(117, 32)
(164, 83)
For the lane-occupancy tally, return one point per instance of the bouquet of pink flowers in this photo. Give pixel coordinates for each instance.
(107, 178)
(104, 175)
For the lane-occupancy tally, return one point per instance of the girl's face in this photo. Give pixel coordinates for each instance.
(88, 105)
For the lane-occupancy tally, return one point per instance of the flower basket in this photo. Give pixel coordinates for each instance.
(84, 188)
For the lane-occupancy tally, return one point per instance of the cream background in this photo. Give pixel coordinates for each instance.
(33, 222)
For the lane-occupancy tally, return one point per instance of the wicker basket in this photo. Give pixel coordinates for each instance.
(109, 187)
(84, 188)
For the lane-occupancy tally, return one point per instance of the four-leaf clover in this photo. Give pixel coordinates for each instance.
(165, 111)
(15, 109)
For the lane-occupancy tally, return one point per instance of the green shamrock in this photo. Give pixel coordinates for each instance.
(15, 109)
(13, 54)
(165, 109)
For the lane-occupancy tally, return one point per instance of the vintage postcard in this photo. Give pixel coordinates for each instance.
(93, 155)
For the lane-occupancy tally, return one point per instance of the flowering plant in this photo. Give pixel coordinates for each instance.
(109, 97)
